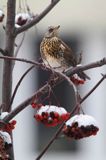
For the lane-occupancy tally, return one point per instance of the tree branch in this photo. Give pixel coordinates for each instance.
(22, 60)
(18, 84)
(7, 66)
(37, 18)
(9, 50)
(70, 71)
(93, 89)
(42, 91)
(51, 141)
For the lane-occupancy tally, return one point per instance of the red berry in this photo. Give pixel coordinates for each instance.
(56, 115)
(67, 115)
(64, 117)
(77, 81)
(55, 120)
(13, 122)
(35, 105)
(38, 117)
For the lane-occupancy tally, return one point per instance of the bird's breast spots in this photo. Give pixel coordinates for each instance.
(50, 47)
(55, 39)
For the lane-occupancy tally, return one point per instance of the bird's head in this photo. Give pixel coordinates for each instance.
(52, 31)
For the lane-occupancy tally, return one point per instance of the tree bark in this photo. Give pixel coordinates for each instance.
(9, 50)
(7, 66)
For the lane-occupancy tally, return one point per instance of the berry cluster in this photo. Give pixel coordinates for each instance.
(36, 105)
(1, 16)
(51, 115)
(9, 126)
(80, 126)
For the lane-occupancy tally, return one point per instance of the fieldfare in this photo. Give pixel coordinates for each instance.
(56, 54)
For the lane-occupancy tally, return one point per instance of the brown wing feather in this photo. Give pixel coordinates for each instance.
(70, 58)
(68, 54)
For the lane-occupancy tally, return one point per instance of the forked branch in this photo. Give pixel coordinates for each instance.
(37, 18)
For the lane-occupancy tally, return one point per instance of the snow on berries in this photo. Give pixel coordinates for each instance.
(22, 18)
(51, 115)
(80, 126)
(1, 16)
(7, 127)
(6, 137)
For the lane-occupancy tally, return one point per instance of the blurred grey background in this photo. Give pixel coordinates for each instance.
(83, 27)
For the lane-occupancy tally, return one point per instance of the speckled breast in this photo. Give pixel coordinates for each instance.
(50, 52)
(50, 47)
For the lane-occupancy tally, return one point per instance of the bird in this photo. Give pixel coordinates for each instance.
(56, 54)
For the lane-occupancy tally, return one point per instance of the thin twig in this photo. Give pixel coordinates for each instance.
(89, 93)
(93, 89)
(56, 99)
(37, 18)
(50, 142)
(42, 91)
(19, 46)
(26, 102)
(67, 79)
(72, 112)
(23, 60)
(19, 82)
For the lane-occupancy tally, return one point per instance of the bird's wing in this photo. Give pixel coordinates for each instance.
(67, 54)
(70, 59)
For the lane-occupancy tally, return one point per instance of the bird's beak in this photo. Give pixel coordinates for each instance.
(57, 27)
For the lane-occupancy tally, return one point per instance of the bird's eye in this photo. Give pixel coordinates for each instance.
(51, 30)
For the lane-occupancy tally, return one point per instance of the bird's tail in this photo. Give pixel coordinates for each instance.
(83, 76)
